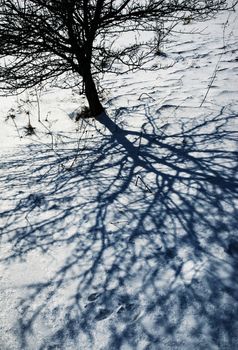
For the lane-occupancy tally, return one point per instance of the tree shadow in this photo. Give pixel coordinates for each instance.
(143, 226)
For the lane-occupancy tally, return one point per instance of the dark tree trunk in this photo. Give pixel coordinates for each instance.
(91, 93)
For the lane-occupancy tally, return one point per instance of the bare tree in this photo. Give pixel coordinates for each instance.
(46, 39)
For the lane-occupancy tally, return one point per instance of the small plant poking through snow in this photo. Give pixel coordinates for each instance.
(29, 130)
(10, 115)
(83, 113)
(160, 53)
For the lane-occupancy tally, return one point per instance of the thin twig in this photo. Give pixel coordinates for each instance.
(217, 65)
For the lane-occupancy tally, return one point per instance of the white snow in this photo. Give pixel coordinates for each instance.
(126, 240)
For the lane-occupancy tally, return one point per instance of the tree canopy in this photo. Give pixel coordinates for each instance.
(42, 40)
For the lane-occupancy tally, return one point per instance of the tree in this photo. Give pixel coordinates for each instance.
(47, 39)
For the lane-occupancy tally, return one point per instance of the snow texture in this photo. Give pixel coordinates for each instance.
(122, 233)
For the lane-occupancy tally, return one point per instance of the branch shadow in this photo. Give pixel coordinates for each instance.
(143, 227)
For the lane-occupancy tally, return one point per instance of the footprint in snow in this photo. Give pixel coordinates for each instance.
(103, 314)
(93, 296)
(129, 312)
(126, 307)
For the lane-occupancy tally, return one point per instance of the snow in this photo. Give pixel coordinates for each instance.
(122, 233)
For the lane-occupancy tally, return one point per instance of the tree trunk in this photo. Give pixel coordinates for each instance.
(91, 93)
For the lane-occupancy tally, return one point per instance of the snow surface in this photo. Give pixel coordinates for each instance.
(122, 234)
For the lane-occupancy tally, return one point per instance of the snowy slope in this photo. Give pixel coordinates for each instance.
(125, 236)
